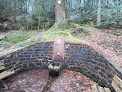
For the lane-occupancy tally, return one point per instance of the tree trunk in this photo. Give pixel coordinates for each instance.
(107, 4)
(119, 5)
(15, 12)
(60, 15)
(0, 5)
(99, 14)
(32, 6)
(40, 14)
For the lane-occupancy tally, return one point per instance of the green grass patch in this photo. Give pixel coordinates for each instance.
(66, 33)
(73, 25)
(5, 44)
(39, 30)
(25, 43)
(15, 37)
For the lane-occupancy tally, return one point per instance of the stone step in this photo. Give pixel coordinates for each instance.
(6, 74)
(2, 67)
(101, 89)
(94, 88)
(116, 87)
(118, 81)
(1, 63)
(107, 89)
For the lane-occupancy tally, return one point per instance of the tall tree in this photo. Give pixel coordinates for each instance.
(60, 15)
(99, 14)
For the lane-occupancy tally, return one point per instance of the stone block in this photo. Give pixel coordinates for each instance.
(97, 67)
(39, 63)
(109, 75)
(66, 55)
(107, 90)
(40, 58)
(54, 68)
(45, 57)
(24, 65)
(101, 64)
(118, 81)
(93, 61)
(50, 55)
(51, 52)
(31, 65)
(26, 55)
(101, 74)
(22, 59)
(103, 70)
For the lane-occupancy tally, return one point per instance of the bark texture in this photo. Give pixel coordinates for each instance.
(60, 15)
(99, 14)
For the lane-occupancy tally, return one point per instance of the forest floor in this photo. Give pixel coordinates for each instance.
(103, 40)
(106, 43)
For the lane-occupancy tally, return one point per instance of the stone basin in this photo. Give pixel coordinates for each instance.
(54, 69)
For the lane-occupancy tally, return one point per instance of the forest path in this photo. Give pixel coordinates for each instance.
(107, 44)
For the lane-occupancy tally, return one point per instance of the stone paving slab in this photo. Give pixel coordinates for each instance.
(71, 81)
(32, 81)
(36, 80)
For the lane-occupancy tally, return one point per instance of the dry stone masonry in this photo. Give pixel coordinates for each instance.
(78, 57)
(83, 58)
(34, 56)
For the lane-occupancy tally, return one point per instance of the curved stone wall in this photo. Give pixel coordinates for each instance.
(78, 57)
(83, 58)
(33, 56)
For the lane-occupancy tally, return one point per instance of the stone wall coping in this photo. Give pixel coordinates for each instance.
(2, 54)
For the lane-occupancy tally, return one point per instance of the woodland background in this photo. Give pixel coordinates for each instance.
(37, 14)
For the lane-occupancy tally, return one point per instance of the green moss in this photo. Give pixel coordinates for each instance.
(73, 25)
(66, 33)
(5, 44)
(39, 30)
(25, 43)
(46, 38)
(61, 25)
(17, 36)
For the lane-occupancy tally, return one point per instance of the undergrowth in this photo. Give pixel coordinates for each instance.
(53, 32)
(15, 37)
(24, 43)
(66, 33)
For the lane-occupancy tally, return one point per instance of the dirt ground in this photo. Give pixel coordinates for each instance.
(108, 44)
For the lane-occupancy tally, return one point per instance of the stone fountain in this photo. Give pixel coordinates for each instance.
(56, 67)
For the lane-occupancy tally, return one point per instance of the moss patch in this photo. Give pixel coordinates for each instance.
(66, 33)
(73, 25)
(15, 37)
